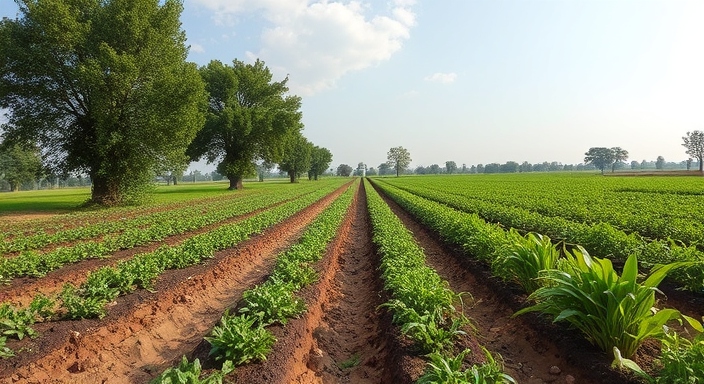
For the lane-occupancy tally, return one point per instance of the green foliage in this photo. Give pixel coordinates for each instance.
(78, 306)
(249, 117)
(523, 258)
(16, 322)
(19, 164)
(319, 162)
(448, 370)
(428, 333)
(240, 339)
(104, 87)
(682, 360)
(272, 302)
(610, 310)
(190, 373)
(5, 351)
(398, 158)
(296, 156)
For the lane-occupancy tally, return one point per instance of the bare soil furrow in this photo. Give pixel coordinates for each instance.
(144, 332)
(342, 338)
(529, 346)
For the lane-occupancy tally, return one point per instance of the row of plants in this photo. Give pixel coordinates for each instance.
(36, 264)
(675, 213)
(41, 238)
(615, 313)
(89, 299)
(422, 304)
(602, 239)
(242, 337)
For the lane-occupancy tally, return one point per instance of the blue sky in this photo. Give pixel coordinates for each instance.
(472, 81)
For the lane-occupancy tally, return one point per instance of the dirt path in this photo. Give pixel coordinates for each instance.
(342, 338)
(529, 347)
(144, 333)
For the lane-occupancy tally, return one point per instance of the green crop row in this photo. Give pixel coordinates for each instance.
(600, 239)
(613, 312)
(667, 209)
(104, 285)
(42, 239)
(422, 304)
(33, 263)
(243, 338)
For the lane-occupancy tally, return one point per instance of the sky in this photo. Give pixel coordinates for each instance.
(471, 81)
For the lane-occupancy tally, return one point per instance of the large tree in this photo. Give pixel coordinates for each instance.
(320, 160)
(19, 164)
(296, 156)
(694, 142)
(102, 86)
(398, 158)
(450, 167)
(249, 118)
(620, 156)
(344, 170)
(601, 157)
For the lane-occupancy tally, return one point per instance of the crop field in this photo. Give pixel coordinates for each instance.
(435, 279)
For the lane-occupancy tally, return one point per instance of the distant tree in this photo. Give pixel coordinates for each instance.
(344, 170)
(464, 168)
(480, 168)
(263, 169)
(473, 169)
(434, 169)
(320, 159)
(421, 170)
(249, 118)
(398, 158)
(525, 167)
(296, 156)
(660, 163)
(689, 163)
(635, 164)
(492, 168)
(600, 157)
(215, 176)
(509, 167)
(371, 172)
(103, 86)
(19, 164)
(694, 142)
(451, 167)
(385, 169)
(620, 156)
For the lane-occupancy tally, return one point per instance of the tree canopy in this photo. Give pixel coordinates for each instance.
(296, 157)
(398, 158)
(601, 157)
(102, 86)
(450, 167)
(320, 160)
(694, 142)
(620, 156)
(249, 118)
(344, 170)
(19, 164)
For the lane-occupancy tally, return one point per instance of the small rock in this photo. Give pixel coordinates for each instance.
(569, 379)
(315, 360)
(555, 370)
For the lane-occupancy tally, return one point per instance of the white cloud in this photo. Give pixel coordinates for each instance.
(197, 48)
(317, 43)
(443, 78)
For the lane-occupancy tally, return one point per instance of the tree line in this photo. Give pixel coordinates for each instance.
(102, 88)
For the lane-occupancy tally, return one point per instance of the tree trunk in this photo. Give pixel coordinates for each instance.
(235, 182)
(315, 177)
(14, 187)
(701, 165)
(175, 180)
(292, 176)
(105, 191)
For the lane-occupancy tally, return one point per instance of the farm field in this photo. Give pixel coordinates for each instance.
(337, 281)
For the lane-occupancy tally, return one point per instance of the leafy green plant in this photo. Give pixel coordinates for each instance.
(353, 361)
(241, 339)
(272, 302)
(80, 307)
(448, 370)
(17, 321)
(610, 310)
(522, 258)
(190, 373)
(5, 351)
